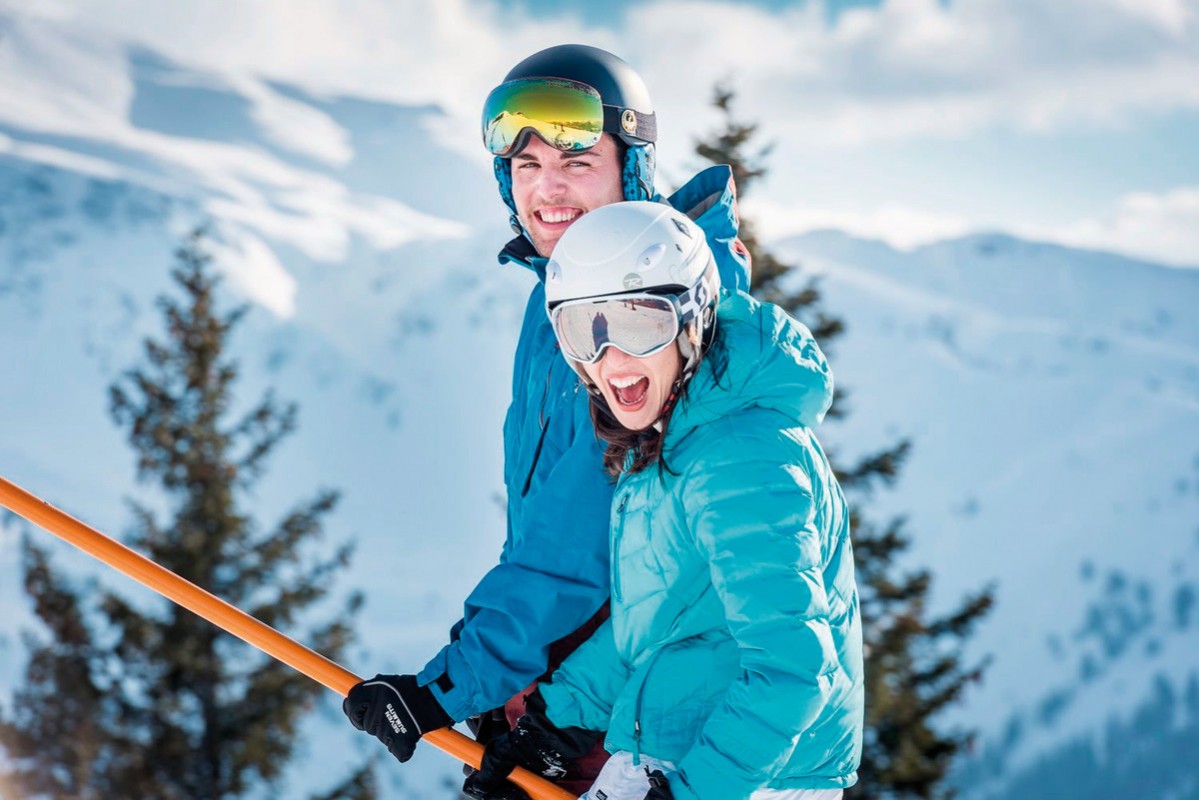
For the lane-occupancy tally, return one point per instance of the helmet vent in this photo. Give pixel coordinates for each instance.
(650, 257)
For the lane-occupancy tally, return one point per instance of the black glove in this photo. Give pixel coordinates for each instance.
(396, 711)
(535, 744)
(659, 787)
(475, 787)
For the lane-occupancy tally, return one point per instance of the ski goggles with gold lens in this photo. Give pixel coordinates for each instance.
(638, 324)
(566, 114)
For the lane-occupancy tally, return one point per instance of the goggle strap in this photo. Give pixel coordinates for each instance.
(647, 124)
(692, 302)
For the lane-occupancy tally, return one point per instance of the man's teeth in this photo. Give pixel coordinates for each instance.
(625, 382)
(559, 216)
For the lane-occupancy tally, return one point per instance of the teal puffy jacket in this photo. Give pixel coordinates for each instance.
(735, 648)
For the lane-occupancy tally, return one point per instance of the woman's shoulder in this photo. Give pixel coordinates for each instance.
(744, 438)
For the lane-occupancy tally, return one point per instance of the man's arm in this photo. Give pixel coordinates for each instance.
(552, 580)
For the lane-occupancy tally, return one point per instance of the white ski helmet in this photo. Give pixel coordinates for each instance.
(636, 248)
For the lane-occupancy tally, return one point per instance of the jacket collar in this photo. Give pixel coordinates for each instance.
(520, 251)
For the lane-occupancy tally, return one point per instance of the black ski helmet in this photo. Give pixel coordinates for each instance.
(618, 84)
(621, 88)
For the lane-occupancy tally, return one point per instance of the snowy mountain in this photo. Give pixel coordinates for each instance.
(1052, 395)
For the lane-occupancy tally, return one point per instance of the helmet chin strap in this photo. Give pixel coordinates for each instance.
(693, 356)
(676, 390)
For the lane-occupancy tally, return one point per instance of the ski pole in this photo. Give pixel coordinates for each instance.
(233, 620)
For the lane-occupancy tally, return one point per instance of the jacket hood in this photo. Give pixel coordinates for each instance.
(760, 357)
(710, 200)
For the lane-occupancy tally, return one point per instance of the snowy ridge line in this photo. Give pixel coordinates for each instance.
(982, 322)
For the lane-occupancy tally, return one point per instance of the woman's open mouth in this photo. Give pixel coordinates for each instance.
(629, 390)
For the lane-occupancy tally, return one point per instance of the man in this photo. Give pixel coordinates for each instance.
(572, 128)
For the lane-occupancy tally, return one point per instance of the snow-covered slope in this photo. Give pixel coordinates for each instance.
(1052, 395)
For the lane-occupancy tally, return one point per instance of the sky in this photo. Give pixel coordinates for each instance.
(1074, 121)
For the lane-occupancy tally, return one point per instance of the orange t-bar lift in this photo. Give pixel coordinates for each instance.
(235, 621)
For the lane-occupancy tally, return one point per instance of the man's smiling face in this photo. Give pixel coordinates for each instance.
(552, 189)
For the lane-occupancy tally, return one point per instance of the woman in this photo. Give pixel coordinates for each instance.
(731, 666)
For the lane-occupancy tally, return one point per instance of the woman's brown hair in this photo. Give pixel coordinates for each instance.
(646, 445)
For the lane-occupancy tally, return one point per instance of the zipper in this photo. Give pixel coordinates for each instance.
(618, 535)
(637, 709)
(618, 531)
(543, 421)
(536, 457)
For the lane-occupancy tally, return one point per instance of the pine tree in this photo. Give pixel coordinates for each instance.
(914, 661)
(135, 699)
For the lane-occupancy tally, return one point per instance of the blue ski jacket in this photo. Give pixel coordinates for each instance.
(734, 649)
(553, 572)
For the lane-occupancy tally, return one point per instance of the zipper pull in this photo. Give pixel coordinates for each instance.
(624, 501)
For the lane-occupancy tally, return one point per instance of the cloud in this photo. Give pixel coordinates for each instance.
(921, 69)
(1158, 227)
(901, 227)
(906, 69)
(58, 157)
(1162, 228)
(54, 79)
(255, 272)
(295, 126)
(1173, 16)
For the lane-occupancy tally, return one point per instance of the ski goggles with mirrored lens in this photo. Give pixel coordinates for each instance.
(639, 324)
(568, 115)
